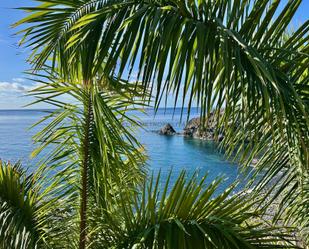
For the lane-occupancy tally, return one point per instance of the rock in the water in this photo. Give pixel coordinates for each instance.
(192, 127)
(167, 130)
(195, 129)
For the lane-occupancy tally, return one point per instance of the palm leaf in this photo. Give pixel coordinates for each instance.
(18, 208)
(191, 214)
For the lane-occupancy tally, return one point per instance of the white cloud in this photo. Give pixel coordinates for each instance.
(20, 80)
(12, 87)
(16, 86)
(13, 95)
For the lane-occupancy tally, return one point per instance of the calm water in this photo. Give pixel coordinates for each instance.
(165, 152)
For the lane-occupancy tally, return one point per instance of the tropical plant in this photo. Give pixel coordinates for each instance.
(190, 214)
(217, 54)
(92, 155)
(19, 205)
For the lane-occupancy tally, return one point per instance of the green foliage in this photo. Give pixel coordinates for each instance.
(231, 55)
(187, 214)
(191, 214)
(115, 158)
(19, 203)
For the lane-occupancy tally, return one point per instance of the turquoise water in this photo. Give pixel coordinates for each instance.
(165, 152)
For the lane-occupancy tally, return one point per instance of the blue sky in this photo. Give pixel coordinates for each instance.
(13, 59)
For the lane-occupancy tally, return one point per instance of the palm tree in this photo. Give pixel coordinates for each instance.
(190, 215)
(93, 156)
(223, 54)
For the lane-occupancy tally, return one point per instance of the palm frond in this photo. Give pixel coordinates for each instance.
(191, 214)
(18, 207)
(231, 55)
(115, 159)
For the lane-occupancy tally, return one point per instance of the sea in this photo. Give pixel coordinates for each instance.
(165, 153)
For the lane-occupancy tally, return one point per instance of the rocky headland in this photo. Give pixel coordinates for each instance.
(195, 129)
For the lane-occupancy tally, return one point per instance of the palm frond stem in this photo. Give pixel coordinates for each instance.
(85, 167)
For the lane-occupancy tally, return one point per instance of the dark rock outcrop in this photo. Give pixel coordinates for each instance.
(192, 127)
(207, 132)
(167, 130)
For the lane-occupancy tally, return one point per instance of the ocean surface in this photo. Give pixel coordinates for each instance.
(164, 152)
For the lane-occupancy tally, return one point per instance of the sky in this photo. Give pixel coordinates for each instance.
(13, 84)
